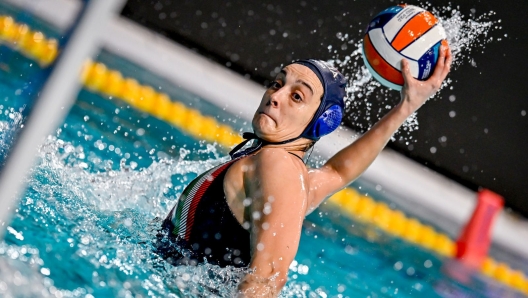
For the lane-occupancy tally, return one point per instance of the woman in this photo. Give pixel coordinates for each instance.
(249, 211)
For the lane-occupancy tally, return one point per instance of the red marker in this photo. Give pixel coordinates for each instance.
(475, 239)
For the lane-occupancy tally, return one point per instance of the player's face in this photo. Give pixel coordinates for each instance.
(288, 104)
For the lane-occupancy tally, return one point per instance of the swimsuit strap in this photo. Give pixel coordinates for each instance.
(248, 136)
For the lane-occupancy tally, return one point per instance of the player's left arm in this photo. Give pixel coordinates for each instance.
(349, 163)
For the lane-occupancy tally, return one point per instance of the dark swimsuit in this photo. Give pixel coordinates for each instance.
(201, 225)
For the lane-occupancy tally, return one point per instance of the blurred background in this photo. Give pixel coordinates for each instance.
(472, 132)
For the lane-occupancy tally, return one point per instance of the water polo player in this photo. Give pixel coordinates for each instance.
(249, 211)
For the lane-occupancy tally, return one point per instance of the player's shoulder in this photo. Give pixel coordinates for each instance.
(274, 164)
(283, 171)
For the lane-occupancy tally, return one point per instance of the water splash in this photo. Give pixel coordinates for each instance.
(465, 35)
(108, 218)
(367, 100)
(146, 188)
(19, 268)
(8, 129)
(97, 227)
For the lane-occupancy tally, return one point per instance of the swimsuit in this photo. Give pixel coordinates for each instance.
(201, 225)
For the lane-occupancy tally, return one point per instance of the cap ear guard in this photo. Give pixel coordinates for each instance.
(326, 123)
(330, 112)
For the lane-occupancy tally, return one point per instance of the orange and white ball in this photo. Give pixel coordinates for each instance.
(398, 32)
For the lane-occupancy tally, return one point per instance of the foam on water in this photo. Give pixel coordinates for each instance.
(112, 190)
(110, 212)
(106, 221)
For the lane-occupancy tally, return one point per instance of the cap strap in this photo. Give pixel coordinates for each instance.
(248, 136)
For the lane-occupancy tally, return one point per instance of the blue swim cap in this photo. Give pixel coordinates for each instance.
(330, 112)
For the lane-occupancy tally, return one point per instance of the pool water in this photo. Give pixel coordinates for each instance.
(85, 225)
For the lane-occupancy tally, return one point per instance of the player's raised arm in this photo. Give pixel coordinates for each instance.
(349, 163)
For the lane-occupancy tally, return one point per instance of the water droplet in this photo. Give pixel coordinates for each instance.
(398, 266)
(45, 271)
(410, 271)
(428, 264)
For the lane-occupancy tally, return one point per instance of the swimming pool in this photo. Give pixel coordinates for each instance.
(85, 224)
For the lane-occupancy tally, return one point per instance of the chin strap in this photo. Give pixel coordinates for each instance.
(248, 136)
